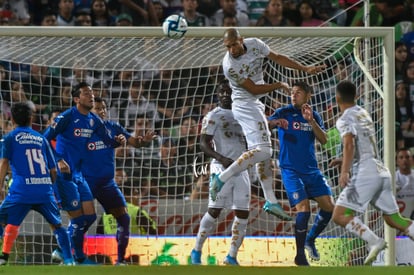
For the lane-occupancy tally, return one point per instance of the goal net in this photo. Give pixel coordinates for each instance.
(153, 82)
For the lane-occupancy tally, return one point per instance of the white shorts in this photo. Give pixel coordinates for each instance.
(369, 186)
(250, 115)
(235, 193)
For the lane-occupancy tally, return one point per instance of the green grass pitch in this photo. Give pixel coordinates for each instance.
(200, 270)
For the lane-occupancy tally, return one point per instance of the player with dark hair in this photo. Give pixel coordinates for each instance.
(33, 169)
(298, 127)
(73, 129)
(221, 129)
(101, 178)
(363, 175)
(243, 67)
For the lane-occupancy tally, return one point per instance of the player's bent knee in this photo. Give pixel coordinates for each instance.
(265, 152)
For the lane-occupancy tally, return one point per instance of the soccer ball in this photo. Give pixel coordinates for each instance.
(174, 26)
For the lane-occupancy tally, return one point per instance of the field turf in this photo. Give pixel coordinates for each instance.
(201, 270)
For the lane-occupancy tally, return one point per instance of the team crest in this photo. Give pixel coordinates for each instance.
(295, 195)
(296, 125)
(77, 132)
(91, 146)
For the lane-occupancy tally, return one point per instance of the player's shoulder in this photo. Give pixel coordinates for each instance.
(112, 124)
(66, 114)
(252, 40)
(284, 110)
(220, 113)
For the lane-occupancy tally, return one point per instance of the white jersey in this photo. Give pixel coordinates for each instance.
(228, 138)
(371, 180)
(248, 65)
(357, 121)
(404, 184)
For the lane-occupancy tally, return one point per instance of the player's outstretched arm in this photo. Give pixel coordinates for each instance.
(290, 63)
(139, 141)
(259, 89)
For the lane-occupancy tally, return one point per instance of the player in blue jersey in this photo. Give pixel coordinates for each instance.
(73, 129)
(101, 178)
(298, 126)
(33, 170)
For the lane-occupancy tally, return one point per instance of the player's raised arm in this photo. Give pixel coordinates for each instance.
(290, 63)
(259, 89)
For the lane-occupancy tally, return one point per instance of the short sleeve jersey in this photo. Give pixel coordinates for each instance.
(228, 138)
(99, 152)
(31, 158)
(73, 131)
(297, 142)
(358, 122)
(248, 65)
(405, 193)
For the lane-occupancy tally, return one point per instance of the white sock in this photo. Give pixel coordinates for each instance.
(238, 232)
(207, 224)
(358, 228)
(246, 160)
(264, 171)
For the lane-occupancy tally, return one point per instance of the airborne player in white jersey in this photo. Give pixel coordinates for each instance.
(220, 129)
(243, 67)
(363, 176)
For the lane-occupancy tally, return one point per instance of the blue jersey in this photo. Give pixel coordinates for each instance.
(31, 158)
(297, 143)
(73, 131)
(99, 152)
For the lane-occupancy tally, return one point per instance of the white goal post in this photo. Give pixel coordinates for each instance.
(193, 62)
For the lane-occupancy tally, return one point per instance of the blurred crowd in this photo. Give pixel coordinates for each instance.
(200, 13)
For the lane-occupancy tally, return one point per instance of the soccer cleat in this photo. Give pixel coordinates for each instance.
(312, 251)
(276, 210)
(374, 251)
(69, 262)
(229, 260)
(3, 261)
(195, 257)
(57, 255)
(300, 260)
(86, 261)
(123, 263)
(215, 186)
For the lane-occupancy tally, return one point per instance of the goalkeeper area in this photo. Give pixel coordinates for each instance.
(153, 82)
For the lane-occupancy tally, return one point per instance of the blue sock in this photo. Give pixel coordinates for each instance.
(89, 220)
(76, 231)
(301, 228)
(122, 235)
(63, 241)
(320, 223)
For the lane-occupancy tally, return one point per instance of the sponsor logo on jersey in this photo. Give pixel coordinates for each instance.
(98, 145)
(82, 132)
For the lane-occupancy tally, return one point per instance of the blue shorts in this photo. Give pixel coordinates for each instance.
(107, 193)
(304, 186)
(73, 192)
(15, 212)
